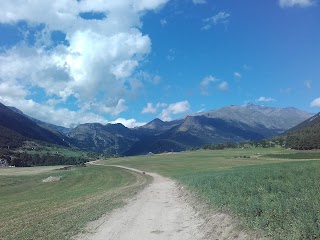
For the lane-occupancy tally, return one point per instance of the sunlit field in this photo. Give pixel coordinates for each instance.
(265, 188)
(33, 209)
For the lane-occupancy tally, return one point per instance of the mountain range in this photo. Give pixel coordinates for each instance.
(231, 123)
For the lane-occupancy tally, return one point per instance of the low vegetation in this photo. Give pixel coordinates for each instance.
(33, 209)
(277, 195)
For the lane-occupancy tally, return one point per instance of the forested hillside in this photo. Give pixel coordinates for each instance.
(306, 135)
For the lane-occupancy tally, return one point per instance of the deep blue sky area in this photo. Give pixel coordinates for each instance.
(132, 61)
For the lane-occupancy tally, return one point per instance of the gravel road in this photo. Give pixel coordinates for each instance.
(159, 212)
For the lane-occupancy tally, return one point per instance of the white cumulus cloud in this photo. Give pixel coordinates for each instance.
(149, 109)
(174, 108)
(96, 63)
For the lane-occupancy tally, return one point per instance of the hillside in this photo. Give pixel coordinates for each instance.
(306, 135)
(51, 127)
(18, 127)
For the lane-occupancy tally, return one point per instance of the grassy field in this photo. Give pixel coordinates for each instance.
(32, 209)
(265, 188)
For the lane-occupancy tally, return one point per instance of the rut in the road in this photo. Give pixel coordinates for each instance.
(158, 212)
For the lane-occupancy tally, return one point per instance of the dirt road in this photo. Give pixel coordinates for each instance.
(157, 212)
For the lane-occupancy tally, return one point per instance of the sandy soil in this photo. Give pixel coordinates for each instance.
(161, 211)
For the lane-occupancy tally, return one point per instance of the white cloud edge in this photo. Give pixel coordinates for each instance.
(237, 75)
(199, 2)
(220, 17)
(209, 80)
(315, 103)
(265, 99)
(308, 84)
(294, 3)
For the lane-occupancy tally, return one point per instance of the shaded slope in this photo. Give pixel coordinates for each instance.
(51, 127)
(26, 127)
(10, 138)
(306, 135)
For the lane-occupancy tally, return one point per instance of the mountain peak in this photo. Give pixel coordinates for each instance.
(155, 123)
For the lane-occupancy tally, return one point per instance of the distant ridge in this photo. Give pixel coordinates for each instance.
(277, 119)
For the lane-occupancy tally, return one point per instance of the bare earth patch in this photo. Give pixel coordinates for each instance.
(162, 211)
(52, 179)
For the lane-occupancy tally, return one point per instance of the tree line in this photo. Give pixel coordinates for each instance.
(29, 160)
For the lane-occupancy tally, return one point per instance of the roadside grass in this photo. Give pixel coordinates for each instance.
(32, 209)
(279, 196)
(281, 199)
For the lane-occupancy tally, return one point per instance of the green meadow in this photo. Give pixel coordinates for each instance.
(33, 209)
(275, 191)
(265, 188)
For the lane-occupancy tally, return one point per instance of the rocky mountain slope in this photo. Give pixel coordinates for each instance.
(276, 120)
(109, 139)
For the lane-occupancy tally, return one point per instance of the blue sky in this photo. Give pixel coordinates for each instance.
(130, 61)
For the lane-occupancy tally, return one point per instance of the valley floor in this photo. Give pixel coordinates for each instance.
(161, 211)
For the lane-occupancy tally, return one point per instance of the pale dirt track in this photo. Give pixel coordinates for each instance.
(160, 211)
